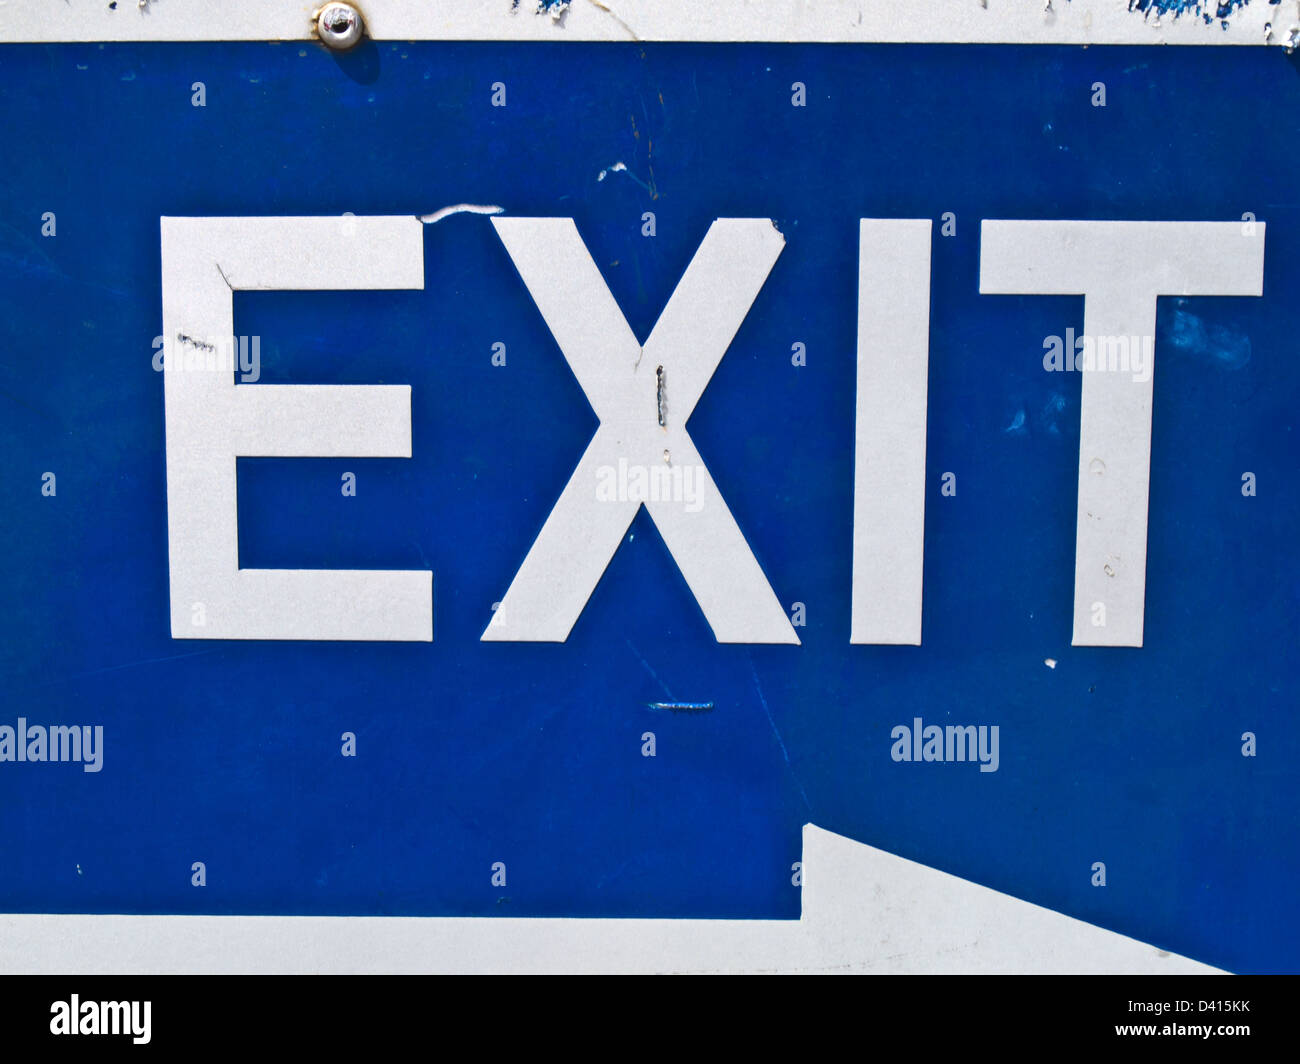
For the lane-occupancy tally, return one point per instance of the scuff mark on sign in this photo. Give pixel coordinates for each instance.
(1051, 410)
(621, 168)
(611, 14)
(649, 185)
(1216, 344)
(189, 341)
(459, 208)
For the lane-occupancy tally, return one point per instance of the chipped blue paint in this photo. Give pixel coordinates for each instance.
(1208, 12)
(554, 8)
(1051, 411)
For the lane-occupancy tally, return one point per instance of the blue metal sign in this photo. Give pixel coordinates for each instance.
(659, 755)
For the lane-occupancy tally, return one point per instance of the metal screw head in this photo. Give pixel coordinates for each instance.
(339, 26)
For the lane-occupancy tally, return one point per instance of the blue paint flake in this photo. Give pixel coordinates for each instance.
(554, 8)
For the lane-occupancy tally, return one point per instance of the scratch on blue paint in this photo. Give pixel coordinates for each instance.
(124, 665)
(646, 665)
(671, 706)
(681, 707)
(22, 255)
(621, 168)
(611, 876)
(1017, 426)
(779, 741)
(25, 404)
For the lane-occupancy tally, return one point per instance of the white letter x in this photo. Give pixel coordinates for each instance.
(641, 451)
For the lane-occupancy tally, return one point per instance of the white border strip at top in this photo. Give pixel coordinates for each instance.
(831, 21)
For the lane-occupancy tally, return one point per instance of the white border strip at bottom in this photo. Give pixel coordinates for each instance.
(864, 910)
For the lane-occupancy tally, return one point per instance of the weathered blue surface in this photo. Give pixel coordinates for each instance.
(470, 753)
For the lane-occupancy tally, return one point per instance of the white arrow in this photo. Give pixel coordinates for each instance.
(864, 910)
